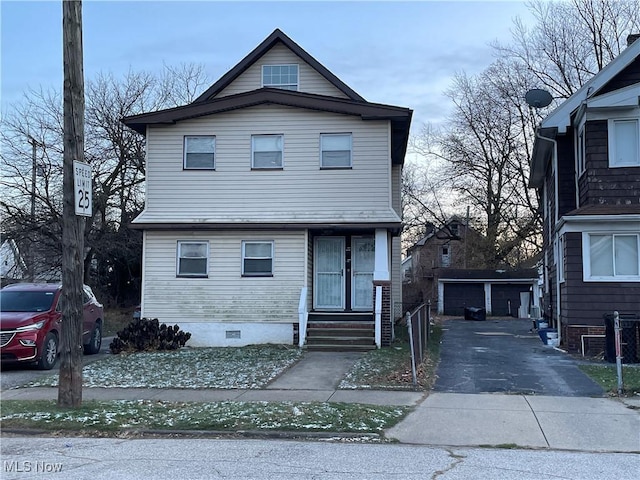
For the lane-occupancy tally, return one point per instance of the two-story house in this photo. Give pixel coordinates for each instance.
(586, 166)
(272, 199)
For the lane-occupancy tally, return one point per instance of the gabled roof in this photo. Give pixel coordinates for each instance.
(560, 118)
(400, 117)
(276, 37)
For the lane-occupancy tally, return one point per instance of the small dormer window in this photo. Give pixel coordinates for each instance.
(280, 76)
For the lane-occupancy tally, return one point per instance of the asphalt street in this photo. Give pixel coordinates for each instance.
(503, 356)
(148, 459)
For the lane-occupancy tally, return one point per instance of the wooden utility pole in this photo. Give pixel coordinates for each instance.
(70, 385)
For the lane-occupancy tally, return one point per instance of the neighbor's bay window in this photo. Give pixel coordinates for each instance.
(193, 259)
(335, 150)
(257, 258)
(199, 152)
(612, 257)
(266, 151)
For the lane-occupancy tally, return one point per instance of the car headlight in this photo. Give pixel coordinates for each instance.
(33, 326)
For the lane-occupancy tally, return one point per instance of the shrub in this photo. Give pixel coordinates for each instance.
(148, 334)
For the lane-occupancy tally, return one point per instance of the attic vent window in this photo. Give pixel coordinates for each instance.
(280, 76)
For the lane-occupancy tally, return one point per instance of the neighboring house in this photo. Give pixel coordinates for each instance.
(586, 166)
(454, 245)
(273, 196)
(12, 266)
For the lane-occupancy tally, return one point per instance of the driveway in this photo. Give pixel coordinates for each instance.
(502, 356)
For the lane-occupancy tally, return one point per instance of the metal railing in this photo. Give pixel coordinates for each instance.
(419, 326)
(303, 316)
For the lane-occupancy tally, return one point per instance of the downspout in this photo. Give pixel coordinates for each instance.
(554, 166)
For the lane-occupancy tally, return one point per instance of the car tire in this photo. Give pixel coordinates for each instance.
(95, 342)
(49, 355)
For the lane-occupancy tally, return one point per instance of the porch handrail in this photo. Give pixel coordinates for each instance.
(378, 316)
(303, 316)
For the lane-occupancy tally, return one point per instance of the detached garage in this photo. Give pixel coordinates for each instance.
(497, 291)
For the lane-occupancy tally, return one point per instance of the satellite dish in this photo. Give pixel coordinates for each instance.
(538, 98)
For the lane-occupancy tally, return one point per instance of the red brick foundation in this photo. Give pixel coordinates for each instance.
(593, 345)
(386, 311)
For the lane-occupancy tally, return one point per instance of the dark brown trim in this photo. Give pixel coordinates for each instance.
(338, 228)
(276, 37)
(400, 117)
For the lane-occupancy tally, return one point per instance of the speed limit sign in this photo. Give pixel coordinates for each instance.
(82, 189)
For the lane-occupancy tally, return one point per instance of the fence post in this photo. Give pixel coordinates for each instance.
(616, 329)
(412, 347)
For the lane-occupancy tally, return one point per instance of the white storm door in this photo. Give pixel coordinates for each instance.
(363, 260)
(328, 281)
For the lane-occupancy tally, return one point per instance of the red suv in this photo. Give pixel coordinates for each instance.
(30, 320)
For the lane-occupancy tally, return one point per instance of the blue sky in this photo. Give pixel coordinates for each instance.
(400, 53)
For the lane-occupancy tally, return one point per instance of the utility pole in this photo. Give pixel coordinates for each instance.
(34, 165)
(70, 384)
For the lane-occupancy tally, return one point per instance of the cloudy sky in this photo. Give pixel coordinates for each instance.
(400, 53)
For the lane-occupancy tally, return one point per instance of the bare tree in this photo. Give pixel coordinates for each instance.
(116, 154)
(571, 40)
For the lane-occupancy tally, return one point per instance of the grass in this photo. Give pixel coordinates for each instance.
(192, 368)
(607, 377)
(246, 367)
(123, 415)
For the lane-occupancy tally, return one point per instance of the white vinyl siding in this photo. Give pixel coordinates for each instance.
(624, 142)
(225, 296)
(309, 80)
(199, 152)
(301, 192)
(335, 150)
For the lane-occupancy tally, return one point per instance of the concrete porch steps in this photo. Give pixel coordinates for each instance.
(341, 335)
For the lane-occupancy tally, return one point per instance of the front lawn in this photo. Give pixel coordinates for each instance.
(140, 415)
(607, 377)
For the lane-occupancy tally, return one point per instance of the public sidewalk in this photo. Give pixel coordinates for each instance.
(443, 419)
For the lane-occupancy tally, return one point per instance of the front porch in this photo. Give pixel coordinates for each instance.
(348, 304)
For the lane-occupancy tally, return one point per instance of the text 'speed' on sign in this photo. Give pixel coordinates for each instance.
(82, 189)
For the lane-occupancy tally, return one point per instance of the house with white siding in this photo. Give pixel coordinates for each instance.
(273, 209)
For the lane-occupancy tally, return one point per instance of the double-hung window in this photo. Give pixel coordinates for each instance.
(624, 142)
(193, 258)
(199, 152)
(257, 258)
(266, 151)
(280, 76)
(335, 150)
(612, 257)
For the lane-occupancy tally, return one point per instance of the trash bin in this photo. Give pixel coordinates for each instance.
(475, 313)
(629, 330)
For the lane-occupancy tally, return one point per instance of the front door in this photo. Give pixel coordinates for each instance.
(363, 259)
(328, 285)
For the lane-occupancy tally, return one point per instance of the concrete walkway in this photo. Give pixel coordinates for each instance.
(443, 419)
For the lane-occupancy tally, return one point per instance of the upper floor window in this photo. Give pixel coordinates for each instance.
(193, 259)
(624, 142)
(611, 257)
(266, 151)
(257, 258)
(199, 152)
(335, 150)
(445, 256)
(280, 76)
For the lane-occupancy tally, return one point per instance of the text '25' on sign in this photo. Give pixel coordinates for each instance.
(82, 188)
